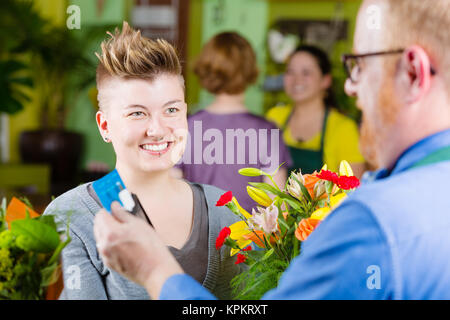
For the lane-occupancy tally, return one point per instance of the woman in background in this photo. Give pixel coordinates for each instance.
(225, 68)
(314, 131)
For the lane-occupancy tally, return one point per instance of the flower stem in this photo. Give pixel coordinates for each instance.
(273, 182)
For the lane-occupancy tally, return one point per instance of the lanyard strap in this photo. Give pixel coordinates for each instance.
(439, 155)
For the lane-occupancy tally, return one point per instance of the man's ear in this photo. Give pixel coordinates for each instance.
(416, 64)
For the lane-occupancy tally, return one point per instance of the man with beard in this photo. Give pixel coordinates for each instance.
(389, 239)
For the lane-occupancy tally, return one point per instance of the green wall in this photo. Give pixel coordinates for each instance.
(249, 18)
(81, 117)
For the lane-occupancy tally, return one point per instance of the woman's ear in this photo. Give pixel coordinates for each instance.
(102, 124)
(417, 73)
(326, 81)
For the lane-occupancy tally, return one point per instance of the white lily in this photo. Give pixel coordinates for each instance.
(265, 219)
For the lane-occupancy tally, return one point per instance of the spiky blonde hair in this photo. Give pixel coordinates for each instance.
(129, 55)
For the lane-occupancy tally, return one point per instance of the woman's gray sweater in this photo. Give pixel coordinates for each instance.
(85, 275)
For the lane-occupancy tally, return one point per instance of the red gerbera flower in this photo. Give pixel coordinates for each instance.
(240, 258)
(347, 183)
(224, 199)
(328, 176)
(223, 235)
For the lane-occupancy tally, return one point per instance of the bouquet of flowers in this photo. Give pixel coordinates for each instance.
(30, 248)
(284, 218)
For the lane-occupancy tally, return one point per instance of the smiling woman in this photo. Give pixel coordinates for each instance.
(143, 114)
(147, 128)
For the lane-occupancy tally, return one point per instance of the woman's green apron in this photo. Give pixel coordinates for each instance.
(305, 159)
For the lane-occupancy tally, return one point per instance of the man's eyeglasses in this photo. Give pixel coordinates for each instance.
(352, 63)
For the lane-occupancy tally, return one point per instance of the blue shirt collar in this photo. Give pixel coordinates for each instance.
(413, 154)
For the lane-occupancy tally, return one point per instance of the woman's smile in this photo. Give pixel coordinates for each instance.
(156, 149)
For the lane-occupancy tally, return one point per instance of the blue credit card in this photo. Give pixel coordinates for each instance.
(108, 188)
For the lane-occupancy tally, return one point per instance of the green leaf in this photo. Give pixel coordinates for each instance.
(266, 187)
(266, 243)
(268, 254)
(275, 172)
(34, 235)
(293, 203)
(303, 188)
(283, 223)
(329, 187)
(61, 245)
(255, 254)
(48, 220)
(3, 215)
(49, 276)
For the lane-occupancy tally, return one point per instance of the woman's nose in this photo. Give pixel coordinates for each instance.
(350, 88)
(156, 127)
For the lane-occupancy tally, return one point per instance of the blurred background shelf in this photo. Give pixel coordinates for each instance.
(31, 181)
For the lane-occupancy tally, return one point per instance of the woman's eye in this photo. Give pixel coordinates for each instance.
(136, 114)
(172, 110)
(306, 73)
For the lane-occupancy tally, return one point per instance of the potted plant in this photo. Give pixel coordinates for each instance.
(14, 74)
(60, 70)
(57, 63)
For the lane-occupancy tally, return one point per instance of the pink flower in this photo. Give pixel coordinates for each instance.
(265, 219)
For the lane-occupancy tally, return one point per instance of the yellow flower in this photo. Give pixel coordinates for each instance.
(345, 169)
(320, 213)
(335, 201)
(241, 210)
(259, 196)
(238, 231)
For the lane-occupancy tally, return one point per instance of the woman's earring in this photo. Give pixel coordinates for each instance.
(106, 139)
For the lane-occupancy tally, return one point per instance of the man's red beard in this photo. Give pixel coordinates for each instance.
(374, 133)
(368, 144)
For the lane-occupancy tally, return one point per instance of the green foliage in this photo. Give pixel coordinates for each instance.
(262, 276)
(29, 256)
(59, 65)
(34, 235)
(15, 37)
(2, 215)
(12, 84)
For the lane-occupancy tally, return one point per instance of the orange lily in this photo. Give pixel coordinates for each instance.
(305, 227)
(258, 238)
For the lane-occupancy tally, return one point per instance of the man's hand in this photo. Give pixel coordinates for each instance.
(131, 247)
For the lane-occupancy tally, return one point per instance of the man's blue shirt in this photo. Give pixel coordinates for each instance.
(390, 239)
